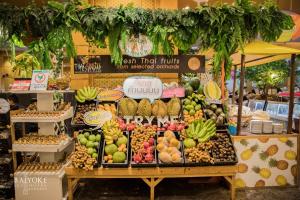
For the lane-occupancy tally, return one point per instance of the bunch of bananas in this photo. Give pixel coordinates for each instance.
(201, 131)
(111, 131)
(86, 93)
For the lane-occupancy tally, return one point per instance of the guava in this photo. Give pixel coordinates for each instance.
(95, 155)
(89, 144)
(90, 151)
(80, 136)
(121, 140)
(110, 149)
(86, 134)
(119, 157)
(92, 138)
(83, 141)
(189, 143)
(98, 137)
(96, 144)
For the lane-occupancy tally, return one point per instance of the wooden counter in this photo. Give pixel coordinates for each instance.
(152, 176)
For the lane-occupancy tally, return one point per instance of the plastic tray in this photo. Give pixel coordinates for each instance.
(140, 165)
(79, 125)
(181, 149)
(117, 165)
(99, 149)
(235, 156)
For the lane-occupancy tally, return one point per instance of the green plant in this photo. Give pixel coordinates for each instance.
(224, 28)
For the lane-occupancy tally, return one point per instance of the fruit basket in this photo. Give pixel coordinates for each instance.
(81, 109)
(88, 145)
(143, 147)
(112, 154)
(169, 149)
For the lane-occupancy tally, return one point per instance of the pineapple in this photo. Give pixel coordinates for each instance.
(260, 183)
(286, 141)
(263, 172)
(290, 155)
(281, 180)
(240, 183)
(280, 164)
(244, 142)
(242, 168)
(271, 151)
(263, 139)
(294, 170)
(283, 139)
(247, 154)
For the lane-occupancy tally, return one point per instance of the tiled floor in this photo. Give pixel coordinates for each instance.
(174, 189)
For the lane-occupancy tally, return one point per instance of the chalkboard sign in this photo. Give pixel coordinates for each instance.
(85, 64)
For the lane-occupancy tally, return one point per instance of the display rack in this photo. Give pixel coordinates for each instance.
(55, 185)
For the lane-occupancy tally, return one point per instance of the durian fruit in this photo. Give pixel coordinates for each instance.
(159, 108)
(173, 107)
(128, 107)
(144, 108)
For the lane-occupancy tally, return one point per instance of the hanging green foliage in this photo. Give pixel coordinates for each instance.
(224, 28)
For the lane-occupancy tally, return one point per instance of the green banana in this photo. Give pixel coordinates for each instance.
(78, 98)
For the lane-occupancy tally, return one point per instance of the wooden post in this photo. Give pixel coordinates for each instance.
(292, 93)
(241, 94)
(234, 85)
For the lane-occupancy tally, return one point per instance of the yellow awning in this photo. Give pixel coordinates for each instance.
(263, 48)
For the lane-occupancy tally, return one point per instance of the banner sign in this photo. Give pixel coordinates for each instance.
(39, 80)
(84, 64)
(140, 87)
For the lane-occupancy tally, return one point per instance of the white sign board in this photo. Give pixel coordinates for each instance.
(140, 87)
(39, 80)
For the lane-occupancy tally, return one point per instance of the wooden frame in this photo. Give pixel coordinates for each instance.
(152, 176)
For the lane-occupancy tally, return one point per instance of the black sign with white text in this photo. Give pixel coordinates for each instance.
(84, 64)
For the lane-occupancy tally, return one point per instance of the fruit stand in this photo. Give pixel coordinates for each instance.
(152, 176)
(144, 127)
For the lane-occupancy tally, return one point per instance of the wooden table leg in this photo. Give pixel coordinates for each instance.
(152, 188)
(70, 189)
(232, 188)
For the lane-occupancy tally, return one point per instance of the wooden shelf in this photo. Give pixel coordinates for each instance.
(170, 172)
(59, 173)
(41, 148)
(66, 115)
(39, 91)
